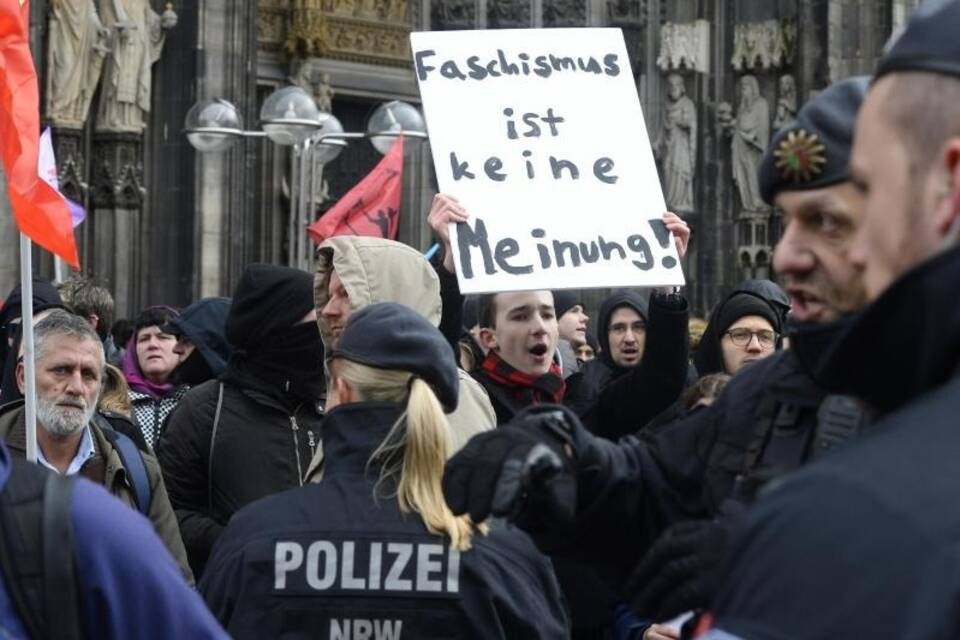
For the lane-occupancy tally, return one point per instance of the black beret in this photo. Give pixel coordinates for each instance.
(389, 335)
(565, 300)
(814, 152)
(929, 43)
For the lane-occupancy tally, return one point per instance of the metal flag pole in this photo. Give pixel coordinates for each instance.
(26, 327)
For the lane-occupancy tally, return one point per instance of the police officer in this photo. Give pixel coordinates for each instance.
(373, 551)
(865, 543)
(770, 419)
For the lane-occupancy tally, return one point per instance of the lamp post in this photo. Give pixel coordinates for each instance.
(290, 117)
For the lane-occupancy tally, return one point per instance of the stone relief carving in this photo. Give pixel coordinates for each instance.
(307, 36)
(627, 11)
(764, 45)
(453, 14)
(564, 13)
(138, 34)
(508, 13)
(750, 134)
(315, 82)
(676, 146)
(685, 46)
(78, 43)
(786, 113)
(272, 24)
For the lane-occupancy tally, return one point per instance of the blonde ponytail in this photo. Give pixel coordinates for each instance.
(424, 446)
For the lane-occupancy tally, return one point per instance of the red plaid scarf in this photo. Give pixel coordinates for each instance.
(526, 388)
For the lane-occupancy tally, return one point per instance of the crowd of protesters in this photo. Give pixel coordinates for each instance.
(363, 452)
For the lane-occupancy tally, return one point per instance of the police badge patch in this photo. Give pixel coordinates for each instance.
(800, 156)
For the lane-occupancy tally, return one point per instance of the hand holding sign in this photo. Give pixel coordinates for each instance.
(540, 135)
(445, 211)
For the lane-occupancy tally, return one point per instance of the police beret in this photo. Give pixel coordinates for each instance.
(389, 335)
(929, 43)
(814, 152)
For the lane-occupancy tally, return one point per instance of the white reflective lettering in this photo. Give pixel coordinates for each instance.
(426, 566)
(347, 579)
(337, 632)
(313, 565)
(362, 629)
(388, 629)
(393, 582)
(453, 571)
(287, 556)
(376, 555)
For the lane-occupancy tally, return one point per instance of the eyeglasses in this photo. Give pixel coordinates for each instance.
(742, 337)
(620, 328)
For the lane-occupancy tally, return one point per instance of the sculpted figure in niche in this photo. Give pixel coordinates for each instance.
(77, 46)
(786, 103)
(751, 134)
(138, 36)
(677, 145)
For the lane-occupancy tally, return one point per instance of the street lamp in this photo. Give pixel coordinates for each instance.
(289, 117)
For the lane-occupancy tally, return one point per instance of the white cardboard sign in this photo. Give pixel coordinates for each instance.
(540, 135)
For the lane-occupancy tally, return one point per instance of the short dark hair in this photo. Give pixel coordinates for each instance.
(87, 298)
(924, 110)
(487, 310)
(154, 316)
(122, 331)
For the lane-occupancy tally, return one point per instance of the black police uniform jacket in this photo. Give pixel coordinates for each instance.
(339, 559)
(631, 491)
(866, 542)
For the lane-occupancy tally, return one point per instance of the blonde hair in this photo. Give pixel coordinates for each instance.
(114, 392)
(417, 452)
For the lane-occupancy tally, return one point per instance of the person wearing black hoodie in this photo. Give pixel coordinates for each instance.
(201, 340)
(45, 296)
(253, 431)
(744, 328)
(642, 366)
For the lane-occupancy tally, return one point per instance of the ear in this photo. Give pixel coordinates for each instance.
(21, 377)
(344, 390)
(488, 339)
(94, 320)
(948, 214)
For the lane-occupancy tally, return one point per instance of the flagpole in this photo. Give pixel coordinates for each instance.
(26, 328)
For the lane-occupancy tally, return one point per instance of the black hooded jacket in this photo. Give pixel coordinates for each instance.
(614, 401)
(254, 431)
(709, 356)
(204, 324)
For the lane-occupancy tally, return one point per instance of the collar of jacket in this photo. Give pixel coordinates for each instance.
(351, 433)
(906, 343)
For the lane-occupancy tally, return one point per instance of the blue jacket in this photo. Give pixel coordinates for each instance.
(129, 585)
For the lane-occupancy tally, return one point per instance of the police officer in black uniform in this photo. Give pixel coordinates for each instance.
(771, 418)
(373, 551)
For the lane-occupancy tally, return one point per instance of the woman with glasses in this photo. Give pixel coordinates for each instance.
(742, 329)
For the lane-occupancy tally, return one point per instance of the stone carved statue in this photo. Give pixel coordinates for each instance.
(750, 131)
(677, 145)
(786, 103)
(138, 36)
(763, 45)
(77, 46)
(315, 82)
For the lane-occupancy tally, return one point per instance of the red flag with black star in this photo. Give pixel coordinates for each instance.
(40, 212)
(372, 207)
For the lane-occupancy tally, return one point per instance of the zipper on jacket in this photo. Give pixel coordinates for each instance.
(296, 447)
(311, 442)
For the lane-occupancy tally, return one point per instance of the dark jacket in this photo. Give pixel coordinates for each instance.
(260, 448)
(871, 531)
(381, 568)
(615, 401)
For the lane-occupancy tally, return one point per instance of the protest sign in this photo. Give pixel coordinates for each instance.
(540, 135)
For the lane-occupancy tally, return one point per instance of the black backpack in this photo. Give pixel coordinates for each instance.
(37, 551)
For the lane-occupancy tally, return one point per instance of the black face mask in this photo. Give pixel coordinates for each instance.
(289, 366)
(193, 371)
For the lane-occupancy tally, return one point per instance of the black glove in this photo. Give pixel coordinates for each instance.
(524, 469)
(679, 573)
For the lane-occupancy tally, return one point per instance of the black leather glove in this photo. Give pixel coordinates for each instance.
(522, 470)
(679, 573)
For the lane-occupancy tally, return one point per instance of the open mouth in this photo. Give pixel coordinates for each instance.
(539, 350)
(804, 306)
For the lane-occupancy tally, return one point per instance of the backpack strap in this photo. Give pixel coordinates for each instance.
(59, 577)
(136, 470)
(21, 562)
(213, 439)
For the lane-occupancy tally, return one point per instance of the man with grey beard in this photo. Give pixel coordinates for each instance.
(72, 438)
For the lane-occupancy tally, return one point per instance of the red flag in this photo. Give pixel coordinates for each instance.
(39, 211)
(372, 207)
